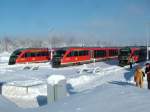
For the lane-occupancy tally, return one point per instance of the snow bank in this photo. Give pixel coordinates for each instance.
(80, 80)
(4, 57)
(54, 79)
(90, 80)
(26, 83)
(22, 88)
(24, 95)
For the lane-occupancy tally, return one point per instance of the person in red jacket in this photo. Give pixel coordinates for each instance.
(147, 71)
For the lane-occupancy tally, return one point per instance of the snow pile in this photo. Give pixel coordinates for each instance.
(26, 83)
(54, 79)
(83, 79)
(88, 80)
(21, 89)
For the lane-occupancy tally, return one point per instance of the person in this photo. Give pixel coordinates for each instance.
(138, 76)
(131, 61)
(147, 71)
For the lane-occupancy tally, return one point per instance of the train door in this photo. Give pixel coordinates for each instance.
(83, 56)
(74, 55)
(135, 55)
(29, 57)
(92, 55)
(38, 56)
(46, 56)
(51, 54)
(24, 58)
(142, 54)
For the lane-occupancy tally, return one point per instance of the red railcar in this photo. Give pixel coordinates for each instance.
(137, 53)
(81, 55)
(29, 55)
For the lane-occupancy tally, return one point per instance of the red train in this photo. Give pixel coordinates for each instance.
(81, 55)
(76, 55)
(30, 55)
(137, 53)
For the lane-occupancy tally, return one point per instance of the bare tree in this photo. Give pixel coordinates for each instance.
(8, 43)
(70, 41)
(56, 41)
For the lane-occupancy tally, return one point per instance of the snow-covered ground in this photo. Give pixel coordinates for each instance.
(110, 86)
(7, 106)
(116, 96)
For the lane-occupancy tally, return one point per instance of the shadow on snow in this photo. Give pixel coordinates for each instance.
(42, 100)
(121, 83)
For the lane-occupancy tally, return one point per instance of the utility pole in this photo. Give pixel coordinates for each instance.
(147, 41)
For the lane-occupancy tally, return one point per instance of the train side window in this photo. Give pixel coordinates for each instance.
(136, 53)
(95, 53)
(87, 52)
(75, 53)
(46, 54)
(23, 56)
(117, 52)
(43, 54)
(99, 53)
(113, 53)
(32, 54)
(70, 54)
(27, 55)
(110, 53)
(38, 54)
(102, 53)
(83, 53)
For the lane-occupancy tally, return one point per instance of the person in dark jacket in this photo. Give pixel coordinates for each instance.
(130, 61)
(147, 71)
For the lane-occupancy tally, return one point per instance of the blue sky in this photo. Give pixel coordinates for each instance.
(112, 20)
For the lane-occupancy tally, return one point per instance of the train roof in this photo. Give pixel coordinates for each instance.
(131, 47)
(84, 47)
(134, 46)
(22, 49)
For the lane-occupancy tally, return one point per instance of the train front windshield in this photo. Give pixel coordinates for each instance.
(124, 52)
(59, 53)
(123, 56)
(57, 56)
(14, 56)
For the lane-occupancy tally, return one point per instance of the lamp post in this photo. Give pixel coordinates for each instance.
(147, 42)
